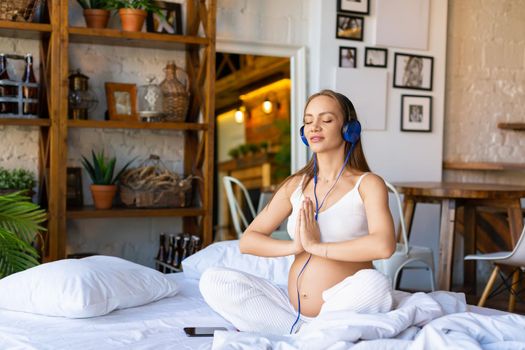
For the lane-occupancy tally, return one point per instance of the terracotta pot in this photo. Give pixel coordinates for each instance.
(96, 18)
(132, 19)
(103, 195)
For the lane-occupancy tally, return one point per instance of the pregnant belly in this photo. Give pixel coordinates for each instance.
(319, 275)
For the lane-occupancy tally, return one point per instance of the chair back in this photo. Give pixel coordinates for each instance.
(517, 257)
(240, 222)
(397, 197)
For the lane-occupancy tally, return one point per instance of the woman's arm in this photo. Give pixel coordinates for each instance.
(378, 244)
(256, 239)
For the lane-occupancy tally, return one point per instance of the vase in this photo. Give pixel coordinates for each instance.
(103, 195)
(96, 18)
(175, 94)
(132, 19)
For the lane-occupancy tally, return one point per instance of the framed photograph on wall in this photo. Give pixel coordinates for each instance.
(347, 57)
(122, 101)
(375, 57)
(354, 6)
(350, 27)
(170, 21)
(413, 71)
(416, 113)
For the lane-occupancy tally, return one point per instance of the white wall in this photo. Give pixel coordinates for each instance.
(395, 155)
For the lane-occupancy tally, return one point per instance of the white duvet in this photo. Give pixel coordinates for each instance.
(421, 321)
(437, 320)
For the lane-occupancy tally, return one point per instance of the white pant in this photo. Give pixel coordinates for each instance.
(254, 304)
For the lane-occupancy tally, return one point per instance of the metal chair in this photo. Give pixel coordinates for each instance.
(405, 254)
(240, 222)
(514, 258)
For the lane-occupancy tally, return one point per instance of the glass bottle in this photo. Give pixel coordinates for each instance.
(171, 249)
(28, 92)
(175, 95)
(161, 253)
(5, 90)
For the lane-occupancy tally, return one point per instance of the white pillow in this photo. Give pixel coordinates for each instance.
(79, 288)
(227, 254)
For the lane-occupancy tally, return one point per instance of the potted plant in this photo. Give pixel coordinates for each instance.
(133, 12)
(96, 12)
(20, 221)
(16, 180)
(104, 185)
(234, 153)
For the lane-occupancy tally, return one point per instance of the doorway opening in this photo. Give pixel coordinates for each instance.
(253, 128)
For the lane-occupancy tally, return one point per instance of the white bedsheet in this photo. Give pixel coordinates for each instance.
(158, 325)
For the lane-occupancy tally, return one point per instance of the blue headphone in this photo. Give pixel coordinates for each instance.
(351, 132)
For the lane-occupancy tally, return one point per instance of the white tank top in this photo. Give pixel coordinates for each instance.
(342, 221)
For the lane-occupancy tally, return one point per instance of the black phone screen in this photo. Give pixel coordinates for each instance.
(202, 331)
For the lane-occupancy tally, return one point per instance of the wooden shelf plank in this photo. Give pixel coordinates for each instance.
(23, 122)
(512, 126)
(115, 37)
(121, 212)
(22, 30)
(118, 124)
(482, 166)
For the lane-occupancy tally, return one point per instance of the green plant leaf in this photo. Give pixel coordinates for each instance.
(89, 168)
(20, 221)
(108, 174)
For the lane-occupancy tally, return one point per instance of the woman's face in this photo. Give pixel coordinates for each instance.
(323, 120)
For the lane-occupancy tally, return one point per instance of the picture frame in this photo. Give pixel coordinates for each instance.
(349, 27)
(416, 113)
(376, 57)
(413, 71)
(353, 6)
(74, 193)
(347, 57)
(122, 101)
(170, 22)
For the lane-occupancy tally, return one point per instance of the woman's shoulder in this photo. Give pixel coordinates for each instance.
(291, 184)
(371, 183)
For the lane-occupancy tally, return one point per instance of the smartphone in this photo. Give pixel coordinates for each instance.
(202, 331)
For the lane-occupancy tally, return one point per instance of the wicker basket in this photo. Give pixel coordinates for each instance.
(154, 199)
(18, 10)
(152, 185)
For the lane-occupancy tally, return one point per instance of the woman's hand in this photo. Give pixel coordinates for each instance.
(310, 233)
(297, 242)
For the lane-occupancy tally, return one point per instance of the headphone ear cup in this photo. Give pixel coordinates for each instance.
(352, 131)
(303, 138)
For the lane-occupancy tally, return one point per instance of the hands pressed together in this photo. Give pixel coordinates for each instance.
(307, 233)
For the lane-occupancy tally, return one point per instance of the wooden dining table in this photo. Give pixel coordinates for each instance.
(451, 196)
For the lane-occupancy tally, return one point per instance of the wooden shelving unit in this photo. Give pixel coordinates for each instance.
(25, 122)
(116, 124)
(114, 37)
(92, 213)
(198, 129)
(22, 30)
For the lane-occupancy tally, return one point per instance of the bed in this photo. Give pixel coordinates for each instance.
(420, 321)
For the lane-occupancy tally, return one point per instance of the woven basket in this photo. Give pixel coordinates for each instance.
(173, 198)
(18, 10)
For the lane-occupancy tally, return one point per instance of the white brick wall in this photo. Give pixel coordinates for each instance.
(485, 85)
